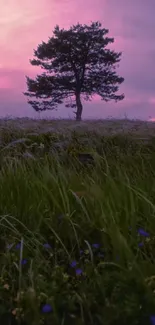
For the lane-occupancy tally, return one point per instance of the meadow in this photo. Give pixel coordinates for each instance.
(77, 222)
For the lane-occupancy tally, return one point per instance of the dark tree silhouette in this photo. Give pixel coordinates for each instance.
(78, 65)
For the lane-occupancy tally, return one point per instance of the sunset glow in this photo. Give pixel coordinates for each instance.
(25, 24)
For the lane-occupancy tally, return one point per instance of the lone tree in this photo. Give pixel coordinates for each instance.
(78, 65)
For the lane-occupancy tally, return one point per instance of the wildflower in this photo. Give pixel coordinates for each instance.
(101, 255)
(81, 252)
(140, 244)
(24, 261)
(96, 246)
(73, 264)
(18, 246)
(79, 271)
(6, 286)
(46, 308)
(142, 232)
(46, 245)
(152, 319)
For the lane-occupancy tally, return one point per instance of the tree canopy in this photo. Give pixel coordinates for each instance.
(78, 66)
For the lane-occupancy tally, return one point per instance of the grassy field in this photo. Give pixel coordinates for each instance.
(77, 222)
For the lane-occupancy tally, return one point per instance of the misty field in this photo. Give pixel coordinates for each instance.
(77, 222)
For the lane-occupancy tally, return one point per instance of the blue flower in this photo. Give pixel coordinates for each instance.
(73, 264)
(18, 246)
(142, 232)
(79, 271)
(152, 319)
(140, 244)
(96, 246)
(46, 308)
(46, 245)
(81, 252)
(24, 261)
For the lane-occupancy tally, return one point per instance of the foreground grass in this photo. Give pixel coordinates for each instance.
(77, 242)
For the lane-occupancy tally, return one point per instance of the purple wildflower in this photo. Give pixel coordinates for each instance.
(152, 319)
(24, 261)
(46, 308)
(73, 264)
(81, 251)
(142, 232)
(96, 246)
(140, 244)
(79, 271)
(18, 246)
(46, 245)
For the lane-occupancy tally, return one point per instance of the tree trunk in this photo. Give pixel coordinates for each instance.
(79, 107)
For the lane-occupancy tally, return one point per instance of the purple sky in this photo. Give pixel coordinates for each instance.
(25, 24)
